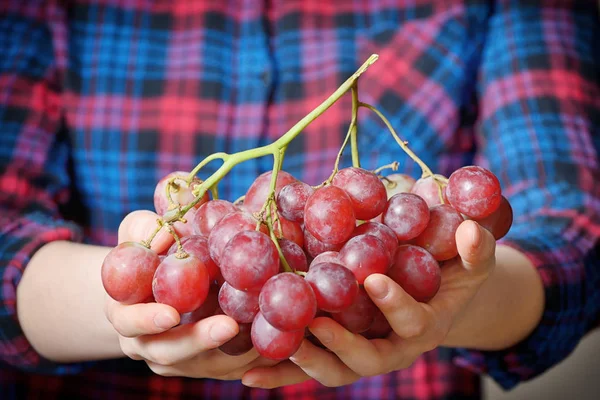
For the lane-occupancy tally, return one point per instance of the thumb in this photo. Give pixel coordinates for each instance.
(139, 225)
(476, 247)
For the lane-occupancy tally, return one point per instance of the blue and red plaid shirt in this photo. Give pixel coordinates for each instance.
(100, 99)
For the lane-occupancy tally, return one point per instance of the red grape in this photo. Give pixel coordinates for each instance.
(380, 231)
(334, 285)
(287, 301)
(428, 189)
(292, 199)
(439, 236)
(407, 215)
(181, 193)
(416, 271)
(228, 227)
(259, 190)
(289, 230)
(314, 246)
(328, 256)
(365, 255)
(240, 305)
(209, 214)
(249, 259)
(181, 283)
(367, 193)
(240, 343)
(500, 221)
(360, 315)
(380, 328)
(398, 183)
(127, 272)
(197, 246)
(273, 343)
(329, 215)
(207, 309)
(294, 255)
(474, 191)
(186, 229)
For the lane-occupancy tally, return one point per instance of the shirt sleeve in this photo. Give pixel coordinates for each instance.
(34, 182)
(540, 133)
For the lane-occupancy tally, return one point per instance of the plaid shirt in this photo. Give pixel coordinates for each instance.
(100, 99)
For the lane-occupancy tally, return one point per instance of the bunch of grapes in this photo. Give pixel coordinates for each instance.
(274, 263)
(291, 252)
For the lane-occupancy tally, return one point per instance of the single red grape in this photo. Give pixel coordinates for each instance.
(380, 328)
(500, 221)
(292, 200)
(127, 272)
(240, 343)
(249, 259)
(228, 227)
(329, 215)
(398, 183)
(259, 190)
(474, 191)
(328, 256)
(380, 231)
(334, 285)
(241, 305)
(182, 283)
(289, 230)
(294, 255)
(439, 236)
(287, 301)
(273, 343)
(207, 309)
(407, 215)
(366, 191)
(365, 255)
(185, 229)
(428, 189)
(360, 315)
(314, 246)
(181, 193)
(417, 272)
(209, 214)
(197, 246)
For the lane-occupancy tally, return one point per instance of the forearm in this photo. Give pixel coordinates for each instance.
(506, 309)
(60, 304)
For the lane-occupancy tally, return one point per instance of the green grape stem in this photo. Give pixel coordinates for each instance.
(275, 148)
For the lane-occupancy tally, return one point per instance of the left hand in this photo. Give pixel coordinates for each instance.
(417, 327)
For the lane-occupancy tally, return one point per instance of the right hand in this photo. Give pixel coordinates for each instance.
(149, 331)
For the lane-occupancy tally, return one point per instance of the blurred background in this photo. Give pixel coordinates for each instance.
(576, 378)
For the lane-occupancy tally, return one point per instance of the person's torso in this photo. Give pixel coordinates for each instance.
(154, 87)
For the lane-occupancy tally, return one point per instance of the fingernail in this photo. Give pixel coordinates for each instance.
(250, 383)
(324, 335)
(377, 287)
(475, 234)
(220, 333)
(164, 321)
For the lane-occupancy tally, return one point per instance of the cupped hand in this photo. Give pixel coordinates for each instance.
(417, 327)
(151, 331)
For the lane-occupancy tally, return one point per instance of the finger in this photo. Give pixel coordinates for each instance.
(139, 225)
(476, 247)
(141, 319)
(283, 374)
(357, 352)
(211, 364)
(407, 317)
(237, 374)
(187, 341)
(323, 365)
